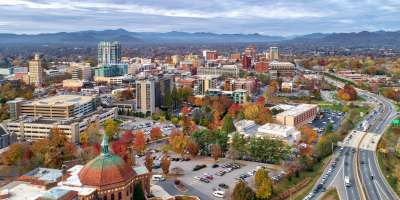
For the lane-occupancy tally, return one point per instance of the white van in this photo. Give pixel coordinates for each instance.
(219, 194)
(158, 177)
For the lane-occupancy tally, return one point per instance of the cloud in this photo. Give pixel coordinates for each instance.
(282, 17)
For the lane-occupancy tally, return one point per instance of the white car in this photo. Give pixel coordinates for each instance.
(219, 194)
(197, 177)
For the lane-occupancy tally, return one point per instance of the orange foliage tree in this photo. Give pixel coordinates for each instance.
(156, 133)
(140, 141)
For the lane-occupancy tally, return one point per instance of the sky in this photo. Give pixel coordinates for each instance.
(268, 17)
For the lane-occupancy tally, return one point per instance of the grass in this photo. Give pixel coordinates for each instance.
(331, 194)
(330, 106)
(287, 183)
(387, 159)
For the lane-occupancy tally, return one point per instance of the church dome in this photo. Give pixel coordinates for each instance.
(106, 169)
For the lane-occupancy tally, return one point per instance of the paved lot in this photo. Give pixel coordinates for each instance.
(134, 123)
(206, 189)
(320, 124)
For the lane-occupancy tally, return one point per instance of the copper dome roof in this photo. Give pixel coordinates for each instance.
(106, 169)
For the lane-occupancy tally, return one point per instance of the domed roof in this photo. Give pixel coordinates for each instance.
(105, 169)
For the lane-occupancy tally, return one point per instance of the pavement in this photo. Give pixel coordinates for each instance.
(372, 183)
(204, 190)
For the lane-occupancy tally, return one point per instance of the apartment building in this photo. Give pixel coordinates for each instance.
(298, 116)
(145, 95)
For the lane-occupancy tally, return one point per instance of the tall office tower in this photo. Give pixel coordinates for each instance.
(145, 95)
(210, 55)
(246, 62)
(35, 71)
(251, 51)
(163, 88)
(273, 53)
(109, 53)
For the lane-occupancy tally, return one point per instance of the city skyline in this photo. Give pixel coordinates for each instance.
(285, 18)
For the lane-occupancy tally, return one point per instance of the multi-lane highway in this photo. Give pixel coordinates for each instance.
(361, 167)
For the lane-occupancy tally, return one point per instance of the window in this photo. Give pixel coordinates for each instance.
(127, 192)
(112, 196)
(105, 197)
(119, 195)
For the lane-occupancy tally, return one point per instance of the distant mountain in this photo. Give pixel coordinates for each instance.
(354, 40)
(126, 37)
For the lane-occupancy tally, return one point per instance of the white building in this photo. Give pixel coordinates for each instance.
(277, 131)
(145, 95)
(246, 127)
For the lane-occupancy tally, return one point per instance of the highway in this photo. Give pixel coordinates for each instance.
(373, 184)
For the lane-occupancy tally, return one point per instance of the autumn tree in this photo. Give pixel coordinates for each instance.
(263, 184)
(165, 164)
(243, 192)
(14, 154)
(178, 141)
(111, 127)
(347, 93)
(148, 161)
(140, 141)
(234, 109)
(156, 133)
(91, 135)
(237, 147)
(216, 151)
(192, 148)
(308, 135)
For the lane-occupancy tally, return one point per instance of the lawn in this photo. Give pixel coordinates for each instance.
(331, 194)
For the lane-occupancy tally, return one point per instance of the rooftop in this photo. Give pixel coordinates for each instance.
(45, 174)
(61, 100)
(18, 190)
(298, 110)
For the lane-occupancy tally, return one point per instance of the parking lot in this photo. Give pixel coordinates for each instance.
(321, 121)
(210, 178)
(146, 125)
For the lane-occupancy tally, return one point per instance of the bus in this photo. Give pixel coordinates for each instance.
(347, 182)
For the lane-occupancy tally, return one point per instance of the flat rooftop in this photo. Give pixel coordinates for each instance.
(20, 190)
(297, 110)
(61, 100)
(45, 174)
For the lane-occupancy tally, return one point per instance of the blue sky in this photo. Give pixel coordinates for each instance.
(269, 17)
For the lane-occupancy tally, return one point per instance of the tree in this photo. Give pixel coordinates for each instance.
(14, 154)
(148, 161)
(243, 192)
(138, 193)
(237, 147)
(264, 116)
(91, 135)
(156, 133)
(178, 142)
(192, 148)
(260, 177)
(308, 135)
(165, 164)
(140, 141)
(265, 190)
(347, 93)
(268, 150)
(234, 109)
(228, 125)
(216, 151)
(111, 127)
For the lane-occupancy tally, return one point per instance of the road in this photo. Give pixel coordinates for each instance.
(375, 185)
(372, 181)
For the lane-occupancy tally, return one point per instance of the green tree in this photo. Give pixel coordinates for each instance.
(268, 150)
(237, 147)
(138, 193)
(243, 192)
(228, 125)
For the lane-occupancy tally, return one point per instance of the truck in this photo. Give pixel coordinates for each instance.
(347, 182)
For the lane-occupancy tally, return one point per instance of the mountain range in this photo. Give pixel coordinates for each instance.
(360, 39)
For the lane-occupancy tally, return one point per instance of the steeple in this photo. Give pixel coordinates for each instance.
(104, 145)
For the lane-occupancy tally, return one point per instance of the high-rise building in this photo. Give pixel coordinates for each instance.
(35, 75)
(82, 71)
(251, 51)
(246, 62)
(210, 55)
(273, 53)
(204, 83)
(163, 88)
(109, 53)
(145, 95)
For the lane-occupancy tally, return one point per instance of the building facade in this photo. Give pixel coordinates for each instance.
(35, 74)
(145, 95)
(109, 53)
(298, 116)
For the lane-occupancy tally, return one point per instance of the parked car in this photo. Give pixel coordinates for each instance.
(223, 185)
(198, 167)
(219, 194)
